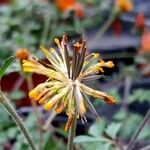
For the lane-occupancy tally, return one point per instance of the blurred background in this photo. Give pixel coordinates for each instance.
(117, 29)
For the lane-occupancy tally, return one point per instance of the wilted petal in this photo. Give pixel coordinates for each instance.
(69, 123)
(50, 104)
(35, 67)
(98, 94)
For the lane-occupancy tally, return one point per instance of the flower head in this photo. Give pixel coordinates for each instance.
(117, 27)
(66, 5)
(124, 5)
(140, 21)
(145, 42)
(66, 89)
(22, 54)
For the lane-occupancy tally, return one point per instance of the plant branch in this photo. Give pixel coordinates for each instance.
(139, 129)
(72, 134)
(127, 88)
(49, 120)
(36, 112)
(104, 27)
(146, 148)
(47, 21)
(5, 103)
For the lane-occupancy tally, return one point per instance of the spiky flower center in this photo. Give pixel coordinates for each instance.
(66, 87)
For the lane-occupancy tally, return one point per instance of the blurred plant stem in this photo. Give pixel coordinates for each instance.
(138, 130)
(72, 134)
(49, 120)
(127, 88)
(47, 20)
(145, 148)
(36, 111)
(6, 104)
(105, 26)
(18, 83)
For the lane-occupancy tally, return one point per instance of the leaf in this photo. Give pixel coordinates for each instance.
(140, 95)
(97, 128)
(94, 146)
(4, 117)
(31, 121)
(12, 132)
(120, 115)
(3, 137)
(145, 133)
(54, 144)
(113, 129)
(129, 125)
(107, 146)
(86, 138)
(17, 145)
(5, 66)
(17, 95)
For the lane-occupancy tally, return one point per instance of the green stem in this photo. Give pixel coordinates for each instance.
(4, 102)
(139, 129)
(36, 112)
(105, 26)
(47, 21)
(49, 120)
(145, 148)
(72, 134)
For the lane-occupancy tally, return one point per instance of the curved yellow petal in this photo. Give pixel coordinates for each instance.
(50, 104)
(98, 94)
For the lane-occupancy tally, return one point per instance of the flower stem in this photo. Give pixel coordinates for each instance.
(104, 27)
(36, 112)
(146, 148)
(47, 21)
(49, 120)
(72, 134)
(139, 129)
(4, 102)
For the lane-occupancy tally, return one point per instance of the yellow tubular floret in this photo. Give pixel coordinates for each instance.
(60, 48)
(34, 94)
(108, 64)
(98, 94)
(51, 58)
(42, 89)
(97, 67)
(35, 67)
(56, 55)
(50, 104)
(46, 97)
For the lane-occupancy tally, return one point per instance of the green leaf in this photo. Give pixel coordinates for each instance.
(5, 66)
(107, 146)
(54, 144)
(145, 133)
(12, 132)
(17, 145)
(4, 117)
(120, 115)
(113, 129)
(17, 95)
(3, 137)
(140, 95)
(86, 138)
(129, 125)
(94, 146)
(97, 128)
(31, 121)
